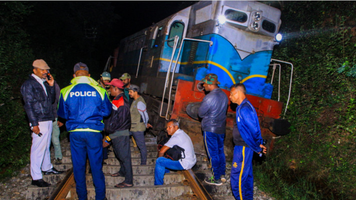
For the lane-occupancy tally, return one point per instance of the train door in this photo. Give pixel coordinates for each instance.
(176, 32)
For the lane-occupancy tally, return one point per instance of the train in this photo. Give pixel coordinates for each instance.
(232, 39)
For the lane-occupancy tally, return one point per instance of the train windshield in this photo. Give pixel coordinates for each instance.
(236, 16)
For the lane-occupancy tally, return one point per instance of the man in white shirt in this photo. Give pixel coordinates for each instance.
(180, 138)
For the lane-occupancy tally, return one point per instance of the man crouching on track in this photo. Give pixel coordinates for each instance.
(118, 125)
(84, 104)
(180, 138)
(247, 139)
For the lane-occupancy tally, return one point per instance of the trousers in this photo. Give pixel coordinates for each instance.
(141, 144)
(81, 145)
(241, 173)
(121, 146)
(55, 140)
(164, 165)
(214, 144)
(40, 157)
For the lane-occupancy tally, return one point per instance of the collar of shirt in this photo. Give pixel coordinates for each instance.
(40, 81)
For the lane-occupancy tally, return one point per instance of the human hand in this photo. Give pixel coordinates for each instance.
(60, 124)
(149, 125)
(50, 81)
(264, 149)
(35, 129)
(105, 144)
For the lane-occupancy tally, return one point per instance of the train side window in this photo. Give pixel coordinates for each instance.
(236, 16)
(268, 26)
(156, 36)
(177, 28)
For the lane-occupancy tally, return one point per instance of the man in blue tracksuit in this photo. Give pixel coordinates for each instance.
(213, 113)
(84, 104)
(247, 139)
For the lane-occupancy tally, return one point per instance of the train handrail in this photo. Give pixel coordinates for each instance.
(174, 69)
(139, 61)
(290, 82)
(176, 38)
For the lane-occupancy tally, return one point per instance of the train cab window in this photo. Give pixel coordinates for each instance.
(156, 36)
(268, 26)
(177, 28)
(236, 16)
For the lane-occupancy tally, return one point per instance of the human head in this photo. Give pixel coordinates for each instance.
(105, 77)
(209, 82)
(117, 87)
(237, 93)
(134, 91)
(40, 68)
(80, 69)
(172, 126)
(126, 79)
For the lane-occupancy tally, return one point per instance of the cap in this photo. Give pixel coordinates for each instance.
(134, 88)
(40, 63)
(106, 76)
(211, 79)
(117, 83)
(125, 76)
(80, 66)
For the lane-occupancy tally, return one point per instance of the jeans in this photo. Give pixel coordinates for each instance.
(141, 144)
(81, 145)
(163, 165)
(214, 144)
(55, 140)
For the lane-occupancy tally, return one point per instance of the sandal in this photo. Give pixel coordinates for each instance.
(117, 174)
(123, 185)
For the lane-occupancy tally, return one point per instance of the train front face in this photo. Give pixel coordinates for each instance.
(243, 36)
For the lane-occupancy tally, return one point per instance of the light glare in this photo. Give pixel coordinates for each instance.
(279, 37)
(221, 19)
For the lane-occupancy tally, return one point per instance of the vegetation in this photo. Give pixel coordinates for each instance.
(316, 160)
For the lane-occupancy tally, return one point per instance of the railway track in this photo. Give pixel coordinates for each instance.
(177, 185)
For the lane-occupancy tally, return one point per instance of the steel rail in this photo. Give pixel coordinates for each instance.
(196, 185)
(64, 187)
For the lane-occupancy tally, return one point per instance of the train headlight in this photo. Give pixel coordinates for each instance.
(221, 19)
(279, 37)
(255, 26)
(257, 16)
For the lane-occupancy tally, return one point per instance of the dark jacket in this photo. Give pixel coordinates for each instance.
(38, 105)
(213, 111)
(120, 116)
(56, 99)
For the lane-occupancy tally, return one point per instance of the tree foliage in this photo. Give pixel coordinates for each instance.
(317, 156)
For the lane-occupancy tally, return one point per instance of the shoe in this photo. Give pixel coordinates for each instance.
(40, 183)
(52, 171)
(58, 161)
(212, 181)
(123, 185)
(117, 174)
(224, 178)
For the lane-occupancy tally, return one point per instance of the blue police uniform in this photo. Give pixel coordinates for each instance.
(84, 104)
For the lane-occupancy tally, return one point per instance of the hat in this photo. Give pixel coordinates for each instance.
(134, 88)
(125, 76)
(40, 63)
(80, 66)
(106, 76)
(211, 79)
(117, 83)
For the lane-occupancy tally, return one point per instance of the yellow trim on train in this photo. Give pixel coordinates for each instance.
(205, 61)
(253, 76)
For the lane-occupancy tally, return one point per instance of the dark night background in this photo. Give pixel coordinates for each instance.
(315, 161)
(64, 33)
